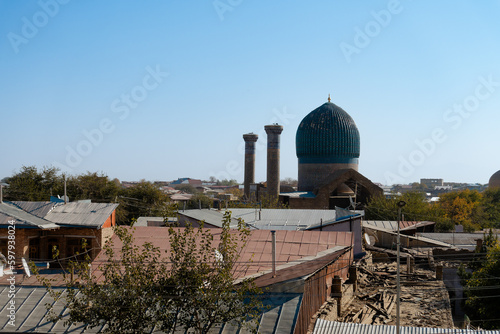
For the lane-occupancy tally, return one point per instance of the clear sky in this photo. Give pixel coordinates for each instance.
(158, 90)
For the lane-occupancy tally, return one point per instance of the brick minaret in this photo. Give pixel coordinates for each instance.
(273, 160)
(250, 139)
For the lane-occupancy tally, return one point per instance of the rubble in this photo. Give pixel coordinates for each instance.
(424, 300)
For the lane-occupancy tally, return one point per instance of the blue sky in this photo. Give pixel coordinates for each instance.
(158, 90)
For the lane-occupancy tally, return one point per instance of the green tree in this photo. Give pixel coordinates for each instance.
(483, 285)
(139, 290)
(30, 184)
(94, 186)
(187, 188)
(143, 199)
(199, 199)
(417, 208)
(491, 207)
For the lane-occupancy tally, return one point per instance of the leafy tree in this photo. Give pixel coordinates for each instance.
(227, 182)
(197, 199)
(30, 184)
(140, 291)
(416, 208)
(491, 207)
(187, 188)
(235, 191)
(483, 284)
(143, 199)
(94, 186)
(462, 208)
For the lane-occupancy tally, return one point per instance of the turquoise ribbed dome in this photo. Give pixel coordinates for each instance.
(327, 135)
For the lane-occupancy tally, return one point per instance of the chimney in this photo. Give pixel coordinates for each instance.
(273, 234)
(250, 139)
(273, 160)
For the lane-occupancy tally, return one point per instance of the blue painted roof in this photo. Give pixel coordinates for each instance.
(327, 135)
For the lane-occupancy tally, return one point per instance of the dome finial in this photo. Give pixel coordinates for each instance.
(328, 97)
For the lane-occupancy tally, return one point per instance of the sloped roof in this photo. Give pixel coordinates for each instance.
(283, 219)
(334, 327)
(279, 315)
(9, 211)
(82, 214)
(39, 209)
(292, 248)
(212, 217)
(392, 225)
(340, 176)
(459, 240)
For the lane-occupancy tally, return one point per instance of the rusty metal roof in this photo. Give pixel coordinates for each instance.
(81, 214)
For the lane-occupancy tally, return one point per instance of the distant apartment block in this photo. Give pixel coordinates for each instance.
(431, 183)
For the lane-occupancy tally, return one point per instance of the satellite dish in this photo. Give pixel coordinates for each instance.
(367, 239)
(25, 267)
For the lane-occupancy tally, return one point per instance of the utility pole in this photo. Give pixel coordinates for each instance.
(398, 287)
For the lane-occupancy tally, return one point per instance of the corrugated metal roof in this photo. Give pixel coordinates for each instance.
(435, 243)
(283, 219)
(212, 217)
(333, 327)
(82, 214)
(9, 211)
(460, 240)
(392, 225)
(355, 215)
(39, 209)
(280, 315)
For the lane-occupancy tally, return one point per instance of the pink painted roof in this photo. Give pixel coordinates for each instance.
(256, 256)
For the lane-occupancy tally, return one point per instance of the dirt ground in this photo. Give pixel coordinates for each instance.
(424, 300)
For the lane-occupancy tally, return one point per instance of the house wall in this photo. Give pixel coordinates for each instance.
(353, 225)
(318, 288)
(36, 244)
(111, 221)
(308, 203)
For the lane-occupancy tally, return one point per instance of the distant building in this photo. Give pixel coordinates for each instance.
(431, 183)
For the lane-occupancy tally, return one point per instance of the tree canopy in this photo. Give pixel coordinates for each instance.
(191, 286)
(482, 286)
(469, 208)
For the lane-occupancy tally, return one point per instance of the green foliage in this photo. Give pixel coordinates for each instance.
(136, 289)
(29, 184)
(483, 285)
(491, 206)
(196, 199)
(416, 208)
(143, 199)
(187, 188)
(469, 208)
(266, 202)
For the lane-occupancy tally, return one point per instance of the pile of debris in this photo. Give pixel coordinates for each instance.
(376, 311)
(424, 300)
